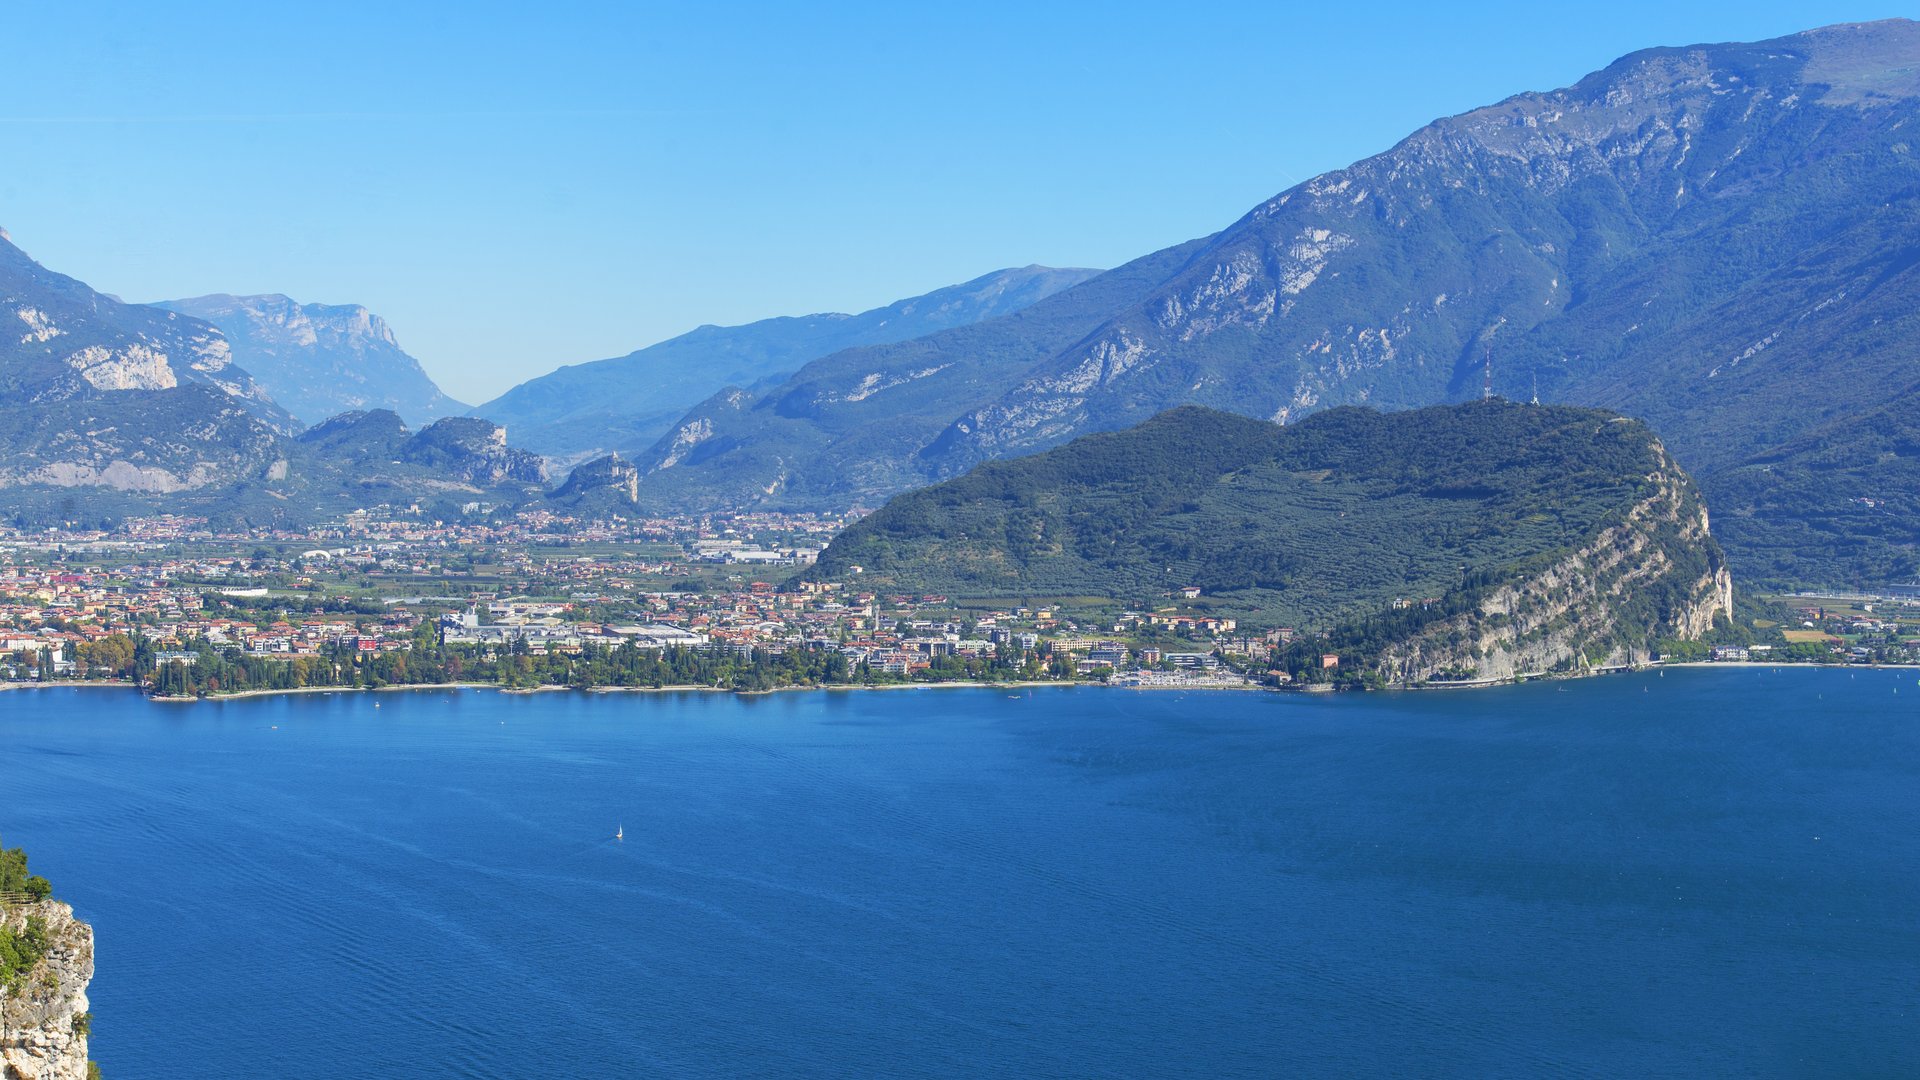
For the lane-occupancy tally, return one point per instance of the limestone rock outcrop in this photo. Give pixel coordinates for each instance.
(44, 1020)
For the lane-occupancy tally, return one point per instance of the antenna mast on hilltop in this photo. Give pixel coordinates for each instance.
(1486, 388)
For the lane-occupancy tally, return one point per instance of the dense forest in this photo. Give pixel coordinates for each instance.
(1313, 525)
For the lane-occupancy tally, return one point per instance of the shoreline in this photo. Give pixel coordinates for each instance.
(236, 695)
(67, 684)
(521, 691)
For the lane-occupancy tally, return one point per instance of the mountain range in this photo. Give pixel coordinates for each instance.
(118, 408)
(1722, 241)
(321, 360)
(129, 408)
(628, 402)
(1718, 239)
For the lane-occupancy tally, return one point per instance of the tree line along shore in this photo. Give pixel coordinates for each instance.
(213, 674)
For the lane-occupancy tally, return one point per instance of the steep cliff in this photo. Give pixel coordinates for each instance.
(611, 479)
(1657, 573)
(321, 360)
(101, 394)
(43, 1009)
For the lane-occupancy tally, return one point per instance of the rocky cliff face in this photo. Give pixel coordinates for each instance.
(474, 450)
(320, 360)
(44, 1020)
(610, 477)
(104, 394)
(1657, 573)
(1538, 227)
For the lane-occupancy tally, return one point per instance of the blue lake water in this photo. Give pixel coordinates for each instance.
(1710, 872)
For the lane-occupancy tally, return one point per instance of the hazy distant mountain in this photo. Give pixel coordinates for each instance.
(114, 408)
(98, 393)
(629, 401)
(319, 360)
(1720, 239)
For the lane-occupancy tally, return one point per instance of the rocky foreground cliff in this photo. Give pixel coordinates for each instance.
(44, 1021)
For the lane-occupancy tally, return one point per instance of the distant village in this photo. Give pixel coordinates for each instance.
(540, 585)
(544, 585)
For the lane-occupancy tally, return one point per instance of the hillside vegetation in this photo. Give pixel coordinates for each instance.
(1312, 526)
(22, 948)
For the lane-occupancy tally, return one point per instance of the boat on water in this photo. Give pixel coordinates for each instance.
(620, 832)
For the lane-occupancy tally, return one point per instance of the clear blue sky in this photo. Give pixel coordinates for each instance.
(517, 187)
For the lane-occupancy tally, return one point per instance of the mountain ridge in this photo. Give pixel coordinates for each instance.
(1615, 243)
(320, 360)
(120, 396)
(624, 403)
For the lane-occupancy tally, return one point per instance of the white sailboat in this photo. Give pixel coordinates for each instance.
(620, 832)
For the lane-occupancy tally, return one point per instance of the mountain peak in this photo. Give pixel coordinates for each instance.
(1872, 63)
(319, 360)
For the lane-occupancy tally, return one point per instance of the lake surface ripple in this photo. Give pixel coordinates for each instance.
(1706, 872)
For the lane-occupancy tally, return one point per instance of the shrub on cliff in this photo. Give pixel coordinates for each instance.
(20, 951)
(16, 883)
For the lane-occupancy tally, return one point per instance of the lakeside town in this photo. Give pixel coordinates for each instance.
(384, 598)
